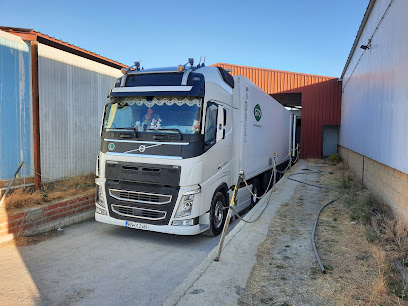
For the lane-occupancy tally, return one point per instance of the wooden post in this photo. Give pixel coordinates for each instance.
(36, 113)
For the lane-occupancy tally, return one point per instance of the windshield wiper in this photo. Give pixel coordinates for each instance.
(120, 128)
(134, 130)
(174, 130)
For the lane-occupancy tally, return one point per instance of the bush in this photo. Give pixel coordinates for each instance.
(335, 158)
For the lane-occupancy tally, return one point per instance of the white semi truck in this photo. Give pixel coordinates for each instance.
(173, 141)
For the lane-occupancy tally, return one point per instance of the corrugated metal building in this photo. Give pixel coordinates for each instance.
(374, 126)
(68, 90)
(15, 105)
(318, 98)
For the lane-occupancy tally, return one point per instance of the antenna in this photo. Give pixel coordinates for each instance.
(199, 63)
(204, 60)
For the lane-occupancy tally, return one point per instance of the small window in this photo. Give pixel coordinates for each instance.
(225, 117)
(210, 135)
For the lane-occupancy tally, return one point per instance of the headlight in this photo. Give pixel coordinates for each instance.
(99, 196)
(186, 204)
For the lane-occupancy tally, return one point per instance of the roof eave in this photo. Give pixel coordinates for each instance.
(360, 31)
(31, 35)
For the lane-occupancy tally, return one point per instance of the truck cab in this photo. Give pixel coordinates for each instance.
(166, 161)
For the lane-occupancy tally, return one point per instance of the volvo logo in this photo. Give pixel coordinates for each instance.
(142, 148)
(111, 146)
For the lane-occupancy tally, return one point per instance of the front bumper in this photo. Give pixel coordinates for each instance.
(167, 229)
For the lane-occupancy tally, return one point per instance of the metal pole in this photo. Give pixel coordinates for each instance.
(227, 220)
(274, 171)
(290, 160)
(11, 184)
(297, 151)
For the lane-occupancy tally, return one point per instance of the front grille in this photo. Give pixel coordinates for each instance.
(140, 213)
(130, 195)
(140, 197)
(162, 175)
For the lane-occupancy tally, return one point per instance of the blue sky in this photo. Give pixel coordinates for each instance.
(309, 36)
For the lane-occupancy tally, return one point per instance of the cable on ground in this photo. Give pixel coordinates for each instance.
(320, 210)
(266, 191)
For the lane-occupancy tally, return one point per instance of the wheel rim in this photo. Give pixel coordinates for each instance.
(218, 214)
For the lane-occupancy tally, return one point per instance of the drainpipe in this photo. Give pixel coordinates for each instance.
(36, 113)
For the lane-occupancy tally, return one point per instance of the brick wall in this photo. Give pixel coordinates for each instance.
(47, 217)
(387, 184)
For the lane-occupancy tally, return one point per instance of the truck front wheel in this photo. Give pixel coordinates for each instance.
(218, 213)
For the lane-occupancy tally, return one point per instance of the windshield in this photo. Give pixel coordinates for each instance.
(152, 114)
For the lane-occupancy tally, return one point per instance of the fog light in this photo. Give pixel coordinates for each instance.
(188, 222)
(101, 211)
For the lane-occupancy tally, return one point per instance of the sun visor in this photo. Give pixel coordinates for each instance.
(165, 84)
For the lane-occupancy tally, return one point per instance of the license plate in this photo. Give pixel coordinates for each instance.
(136, 225)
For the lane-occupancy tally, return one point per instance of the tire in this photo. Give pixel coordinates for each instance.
(256, 190)
(217, 215)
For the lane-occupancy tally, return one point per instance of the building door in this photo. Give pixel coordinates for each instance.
(330, 139)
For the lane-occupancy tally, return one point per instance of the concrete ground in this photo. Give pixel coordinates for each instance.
(99, 264)
(221, 283)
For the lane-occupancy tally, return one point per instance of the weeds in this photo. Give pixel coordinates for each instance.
(371, 235)
(335, 159)
(364, 256)
(385, 231)
(28, 197)
(314, 272)
(346, 182)
(392, 281)
(358, 206)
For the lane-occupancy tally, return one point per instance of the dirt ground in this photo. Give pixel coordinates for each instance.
(287, 272)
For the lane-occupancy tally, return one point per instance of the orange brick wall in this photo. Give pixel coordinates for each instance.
(386, 183)
(33, 218)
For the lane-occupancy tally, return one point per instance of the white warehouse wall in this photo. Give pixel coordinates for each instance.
(73, 92)
(374, 118)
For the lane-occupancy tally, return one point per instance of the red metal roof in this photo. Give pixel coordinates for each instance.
(30, 34)
(321, 99)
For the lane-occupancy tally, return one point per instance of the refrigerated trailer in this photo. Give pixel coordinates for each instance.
(173, 141)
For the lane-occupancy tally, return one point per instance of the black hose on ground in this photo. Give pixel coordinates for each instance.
(320, 210)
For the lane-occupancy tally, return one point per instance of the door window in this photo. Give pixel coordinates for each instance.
(210, 134)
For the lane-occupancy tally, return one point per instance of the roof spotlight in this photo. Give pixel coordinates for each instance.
(367, 46)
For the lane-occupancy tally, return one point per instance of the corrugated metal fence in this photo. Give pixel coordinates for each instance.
(15, 106)
(73, 92)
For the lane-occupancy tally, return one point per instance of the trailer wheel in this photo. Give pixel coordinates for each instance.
(218, 213)
(256, 190)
